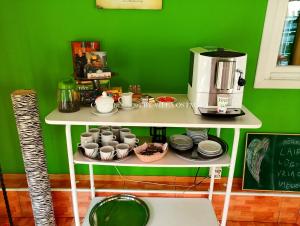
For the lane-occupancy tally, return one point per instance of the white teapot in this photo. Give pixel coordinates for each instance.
(104, 103)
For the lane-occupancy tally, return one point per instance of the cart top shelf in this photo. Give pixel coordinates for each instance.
(180, 115)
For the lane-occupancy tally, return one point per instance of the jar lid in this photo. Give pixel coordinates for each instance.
(67, 84)
(104, 99)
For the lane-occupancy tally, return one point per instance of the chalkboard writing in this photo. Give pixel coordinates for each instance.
(272, 162)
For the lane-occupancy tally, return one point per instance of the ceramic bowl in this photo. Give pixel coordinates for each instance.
(151, 158)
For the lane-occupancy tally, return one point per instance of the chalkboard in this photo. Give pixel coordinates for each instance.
(272, 162)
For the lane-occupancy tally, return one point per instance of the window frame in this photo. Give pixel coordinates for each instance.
(268, 74)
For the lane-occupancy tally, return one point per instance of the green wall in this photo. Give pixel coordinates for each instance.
(150, 48)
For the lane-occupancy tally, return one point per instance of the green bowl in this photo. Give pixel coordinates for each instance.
(119, 210)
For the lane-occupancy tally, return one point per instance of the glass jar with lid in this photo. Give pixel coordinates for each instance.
(68, 97)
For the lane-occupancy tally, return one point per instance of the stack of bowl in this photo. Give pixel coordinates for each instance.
(181, 142)
(209, 148)
(197, 134)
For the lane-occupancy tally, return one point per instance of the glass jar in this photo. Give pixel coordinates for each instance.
(68, 97)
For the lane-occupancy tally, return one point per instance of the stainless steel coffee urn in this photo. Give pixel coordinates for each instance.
(214, 72)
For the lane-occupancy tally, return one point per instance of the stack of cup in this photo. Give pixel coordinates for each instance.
(107, 136)
(91, 150)
(107, 153)
(122, 150)
(123, 132)
(197, 134)
(88, 142)
(86, 138)
(116, 131)
(113, 143)
(95, 132)
(131, 140)
(104, 128)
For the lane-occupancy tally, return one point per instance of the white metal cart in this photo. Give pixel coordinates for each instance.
(163, 211)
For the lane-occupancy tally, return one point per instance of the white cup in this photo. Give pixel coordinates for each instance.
(130, 139)
(107, 136)
(104, 128)
(116, 131)
(113, 143)
(122, 150)
(107, 153)
(86, 138)
(123, 132)
(222, 103)
(95, 132)
(126, 100)
(91, 150)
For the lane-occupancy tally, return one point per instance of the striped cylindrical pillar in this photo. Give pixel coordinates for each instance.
(31, 141)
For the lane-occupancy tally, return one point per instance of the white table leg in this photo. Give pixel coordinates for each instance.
(218, 132)
(212, 171)
(92, 183)
(91, 171)
(72, 175)
(230, 175)
(212, 182)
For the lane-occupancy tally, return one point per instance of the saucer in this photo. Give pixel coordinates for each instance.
(134, 106)
(95, 112)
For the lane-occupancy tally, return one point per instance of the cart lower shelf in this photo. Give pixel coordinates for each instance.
(174, 212)
(170, 160)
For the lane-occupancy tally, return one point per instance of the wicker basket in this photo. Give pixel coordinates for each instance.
(151, 158)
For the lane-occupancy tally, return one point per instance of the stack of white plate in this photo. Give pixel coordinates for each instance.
(197, 134)
(181, 142)
(209, 148)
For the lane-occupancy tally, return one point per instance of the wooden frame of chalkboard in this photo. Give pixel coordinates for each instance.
(272, 162)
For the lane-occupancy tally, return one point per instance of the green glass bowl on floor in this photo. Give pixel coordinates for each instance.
(119, 210)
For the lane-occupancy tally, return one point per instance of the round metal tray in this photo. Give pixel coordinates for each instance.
(119, 210)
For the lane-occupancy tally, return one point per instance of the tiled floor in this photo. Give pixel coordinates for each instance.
(69, 222)
(242, 208)
(243, 211)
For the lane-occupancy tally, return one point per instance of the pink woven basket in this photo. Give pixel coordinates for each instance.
(150, 158)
